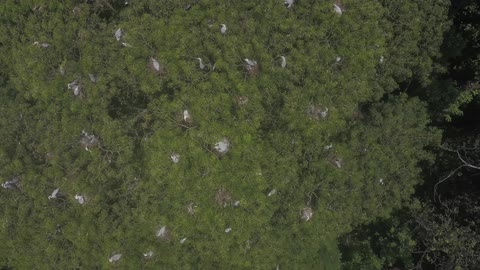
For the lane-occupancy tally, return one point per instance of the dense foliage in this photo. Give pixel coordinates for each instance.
(175, 127)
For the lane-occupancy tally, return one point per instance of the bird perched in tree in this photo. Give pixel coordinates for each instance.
(324, 113)
(92, 77)
(175, 158)
(284, 61)
(223, 30)
(54, 194)
(222, 146)
(80, 198)
(118, 34)
(11, 184)
(289, 3)
(186, 116)
(115, 257)
(162, 232)
(155, 64)
(183, 240)
(43, 44)
(200, 64)
(337, 9)
(75, 86)
(250, 62)
(149, 254)
(227, 230)
(307, 213)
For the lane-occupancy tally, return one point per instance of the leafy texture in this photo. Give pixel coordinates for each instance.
(320, 131)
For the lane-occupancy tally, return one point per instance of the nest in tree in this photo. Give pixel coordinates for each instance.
(89, 141)
(336, 161)
(223, 197)
(191, 209)
(241, 100)
(49, 156)
(317, 113)
(185, 119)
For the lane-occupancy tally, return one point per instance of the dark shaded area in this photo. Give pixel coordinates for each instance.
(444, 226)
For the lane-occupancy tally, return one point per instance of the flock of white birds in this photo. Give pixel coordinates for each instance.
(221, 147)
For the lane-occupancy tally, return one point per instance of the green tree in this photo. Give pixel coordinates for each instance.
(287, 158)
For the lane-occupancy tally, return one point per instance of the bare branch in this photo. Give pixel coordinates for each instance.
(466, 163)
(445, 178)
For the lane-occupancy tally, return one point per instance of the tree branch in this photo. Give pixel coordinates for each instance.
(445, 178)
(466, 163)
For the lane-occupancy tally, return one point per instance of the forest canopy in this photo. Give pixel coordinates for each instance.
(209, 134)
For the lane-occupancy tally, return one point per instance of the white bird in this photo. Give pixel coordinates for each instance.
(124, 44)
(186, 115)
(72, 84)
(284, 61)
(118, 34)
(149, 254)
(43, 44)
(115, 257)
(381, 181)
(223, 30)
(250, 62)
(201, 65)
(76, 90)
(236, 203)
(7, 186)
(156, 65)
(338, 59)
(324, 113)
(289, 3)
(54, 194)
(381, 59)
(222, 146)
(328, 147)
(272, 192)
(11, 184)
(307, 213)
(162, 231)
(92, 77)
(80, 199)
(337, 9)
(227, 230)
(183, 240)
(175, 158)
